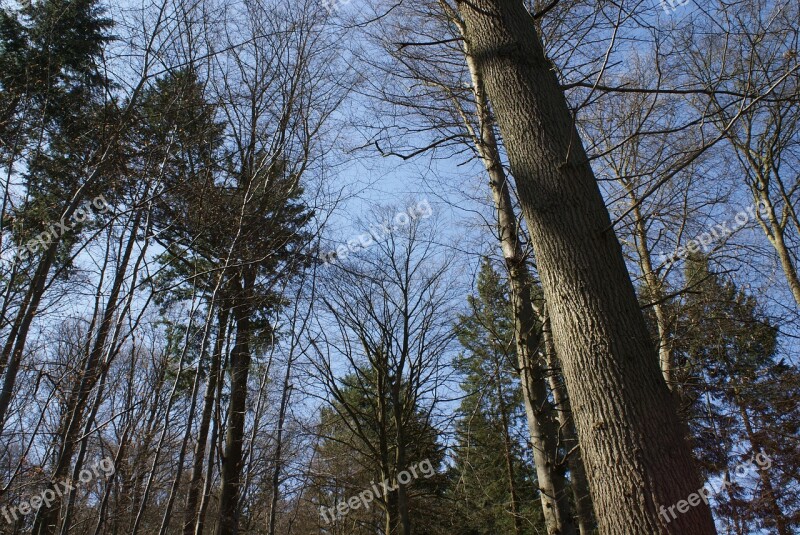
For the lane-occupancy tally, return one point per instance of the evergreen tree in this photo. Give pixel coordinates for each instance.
(347, 465)
(53, 111)
(493, 481)
(232, 222)
(743, 401)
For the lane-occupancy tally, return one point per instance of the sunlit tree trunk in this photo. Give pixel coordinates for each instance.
(630, 436)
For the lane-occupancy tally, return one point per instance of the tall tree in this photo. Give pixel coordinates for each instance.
(495, 489)
(63, 89)
(633, 443)
(389, 308)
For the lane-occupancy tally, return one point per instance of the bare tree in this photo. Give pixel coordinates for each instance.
(619, 398)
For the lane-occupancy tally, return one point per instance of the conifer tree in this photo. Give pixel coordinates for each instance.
(742, 399)
(494, 482)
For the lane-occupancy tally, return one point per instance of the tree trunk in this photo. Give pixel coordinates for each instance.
(508, 452)
(655, 293)
(775, 231)
(401, 458)
(768, 490)
(538, 409)
(46, 519)
(568, 437)
(196, 480)
(276, 473)
(232, 458)
(630, 436)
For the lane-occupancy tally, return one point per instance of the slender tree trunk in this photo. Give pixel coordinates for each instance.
(213, 441)
(276, 473)
(655, 293)
(508, 453)
(232, 459)
(775, 231)
(768, 491)
(161, 439)
(568, 435)
(196, 480)
(14, 347)
(167, 518)
(630, 435)
(47, 518)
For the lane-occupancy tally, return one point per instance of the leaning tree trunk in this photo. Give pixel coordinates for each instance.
(539, 411)
(46, 519)
(630, 435)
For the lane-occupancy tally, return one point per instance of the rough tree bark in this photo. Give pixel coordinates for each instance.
(630, 436)
(538, 409)
(230, 489)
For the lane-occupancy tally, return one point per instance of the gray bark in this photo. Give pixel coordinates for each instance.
(632, 442)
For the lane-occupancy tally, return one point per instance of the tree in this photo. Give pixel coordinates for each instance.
(346, 467)
(633, 445)
(494, 483)
(390, 310)
(63, 90)
(740, 395)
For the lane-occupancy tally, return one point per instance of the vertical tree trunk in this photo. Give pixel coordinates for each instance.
(230, 490)
(630, 436)
(508, 454)
(768, 491)
(196, 480)
(401, 458)
(276, 473)
(655, 290)
(584, 509)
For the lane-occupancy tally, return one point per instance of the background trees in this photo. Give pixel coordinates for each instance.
(190, 326)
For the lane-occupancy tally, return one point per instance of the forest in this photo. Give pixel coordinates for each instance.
(395, 267)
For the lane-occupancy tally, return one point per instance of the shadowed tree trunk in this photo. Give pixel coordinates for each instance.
(230, 490)
(630, 436)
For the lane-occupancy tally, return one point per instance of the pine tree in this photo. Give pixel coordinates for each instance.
(494, 482)
(54, 112)
(232, 222)
(742, 399)
(347, 465)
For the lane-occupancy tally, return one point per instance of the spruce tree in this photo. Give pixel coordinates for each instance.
(742, 399)
(494, 482)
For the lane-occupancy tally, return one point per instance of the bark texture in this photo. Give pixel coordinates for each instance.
(630, 436)
(538, 409)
